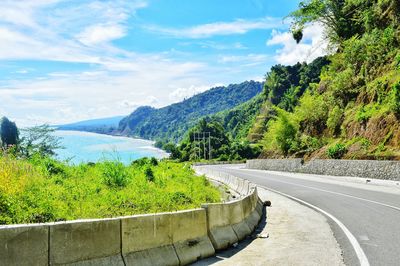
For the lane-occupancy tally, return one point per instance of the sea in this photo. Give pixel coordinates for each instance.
(84, 147)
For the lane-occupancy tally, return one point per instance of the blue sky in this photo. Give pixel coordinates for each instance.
(64, 61)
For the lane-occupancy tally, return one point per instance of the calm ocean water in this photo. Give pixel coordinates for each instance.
(91, 147)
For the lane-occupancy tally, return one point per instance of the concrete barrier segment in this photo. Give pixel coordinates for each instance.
(189, 235)
(159, 256)
(222, 237)
(241, 230)
(82, 241)
(24, 245)
(189, 251)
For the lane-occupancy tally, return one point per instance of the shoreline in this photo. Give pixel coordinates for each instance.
(128, 148)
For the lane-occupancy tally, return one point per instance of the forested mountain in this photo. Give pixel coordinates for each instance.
(173, 121)
(345, 105)
(101, 125)
(238, 131)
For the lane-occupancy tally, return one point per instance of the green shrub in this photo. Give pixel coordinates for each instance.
(336, 151)
(286, 134)
(397, 61)
(140, 162)
(6, 209)
(364, 114)
(180, 198)
(281, 133)
(334, 121)
(311, 114)
(310, 144)
(115, 174)
(53, 167)
(365, 143)
(395, 99)
(148, 172)
(153, 161)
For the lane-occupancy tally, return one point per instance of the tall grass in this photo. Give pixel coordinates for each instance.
(42, 190)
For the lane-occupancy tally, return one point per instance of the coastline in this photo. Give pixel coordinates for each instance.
(85, 146)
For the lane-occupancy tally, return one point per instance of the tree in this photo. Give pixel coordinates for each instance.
(39, 140)
(344, 19)
(282, 131)
(285, 84)
(9, 132)
(332, 14)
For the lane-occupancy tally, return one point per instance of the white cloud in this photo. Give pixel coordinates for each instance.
(114, 81)
(180, 94)
(313, 45)
(250, 58)
(23, 71)
(239, 26)
(67, 96)
(21, 13)
(100, 33)
(41, 30)
(219, 46)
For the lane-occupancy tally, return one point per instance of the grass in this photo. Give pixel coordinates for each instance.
(44, 190)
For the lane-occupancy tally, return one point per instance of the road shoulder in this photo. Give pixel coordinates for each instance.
(294, 235)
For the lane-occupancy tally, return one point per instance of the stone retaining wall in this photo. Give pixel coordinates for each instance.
(174, 238)
(388, 170)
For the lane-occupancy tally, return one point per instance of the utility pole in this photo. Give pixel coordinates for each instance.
(197, 138)
(204, 145)
(198, 145)
(209, 146)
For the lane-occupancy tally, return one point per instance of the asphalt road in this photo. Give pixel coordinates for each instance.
(371, 216)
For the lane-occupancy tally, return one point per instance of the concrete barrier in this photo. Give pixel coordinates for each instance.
(387, 170)
(166, 238)
(233, 221)
(190, 236)
(86, 242)
(220, 230)
(24, 245)
(174, 238)
(147, 240)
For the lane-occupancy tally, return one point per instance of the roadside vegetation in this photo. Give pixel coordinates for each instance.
(44, 190)
(352, 110)
(36, 188)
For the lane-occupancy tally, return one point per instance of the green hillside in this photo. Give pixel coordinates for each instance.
(353, 111)
(237, 132)
(173, 121)
(102, 125)
(344, 105)
(238, 120)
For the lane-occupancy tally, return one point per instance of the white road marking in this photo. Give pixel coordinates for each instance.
(363, 238)
(369, 244)
(356, 246)
(337, 193)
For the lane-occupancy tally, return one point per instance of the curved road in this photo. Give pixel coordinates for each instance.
(371, 213)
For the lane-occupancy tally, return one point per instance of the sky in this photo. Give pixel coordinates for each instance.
(63, 61)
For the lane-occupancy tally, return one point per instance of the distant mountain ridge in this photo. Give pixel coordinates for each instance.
(100, 125)
(173, 121)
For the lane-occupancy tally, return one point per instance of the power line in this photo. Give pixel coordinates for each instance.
(198, 138)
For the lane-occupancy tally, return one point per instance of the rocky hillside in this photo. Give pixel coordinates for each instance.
(353, 112)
